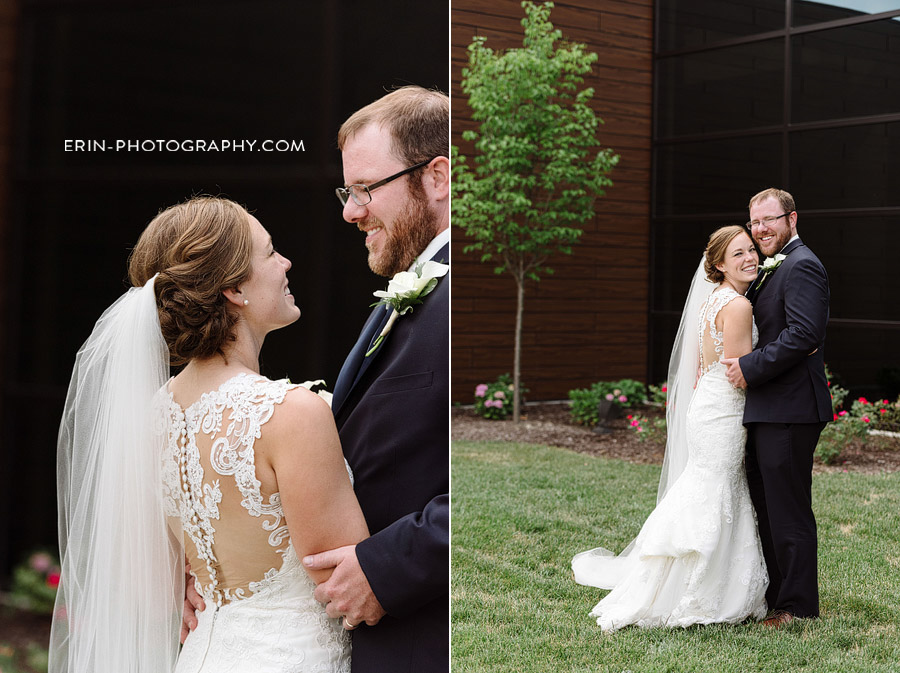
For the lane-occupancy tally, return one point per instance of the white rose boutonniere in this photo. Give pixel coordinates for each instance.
(768, 267)
(405, 290)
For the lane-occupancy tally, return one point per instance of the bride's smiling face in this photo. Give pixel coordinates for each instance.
(270, 304)
(741, 262)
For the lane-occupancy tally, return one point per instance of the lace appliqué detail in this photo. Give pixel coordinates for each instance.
(250, 402)
(716, 301)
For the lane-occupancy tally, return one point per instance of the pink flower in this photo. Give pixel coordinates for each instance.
(634, 423)
(498, 404)
(835, 417)
(866, 419)
(40, 562)
(885, 402)
(665, 389)
(842, 413)
(883, 411)
(53, 580)
(500, 395)
(481, 390)
(863, 400)
(622, 398)
(640, 429)
(610, 397)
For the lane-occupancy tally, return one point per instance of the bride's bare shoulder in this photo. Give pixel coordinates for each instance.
(302, 416)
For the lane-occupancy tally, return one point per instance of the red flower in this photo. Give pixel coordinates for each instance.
(863, 400)
(835, 417)
(665, 389)
(883, 411)
(628, 417)
(866, 419)
(829, 384)
(53, 580)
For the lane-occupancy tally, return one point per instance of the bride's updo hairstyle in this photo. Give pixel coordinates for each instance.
(715, 250)
(199, 248)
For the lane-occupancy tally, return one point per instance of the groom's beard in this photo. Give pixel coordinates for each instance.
(777, 244)
(409, 234)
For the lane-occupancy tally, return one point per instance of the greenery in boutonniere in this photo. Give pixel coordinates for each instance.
(405, 290)
(768, 267)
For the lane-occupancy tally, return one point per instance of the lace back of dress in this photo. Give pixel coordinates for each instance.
(235, 534)
(712, 348)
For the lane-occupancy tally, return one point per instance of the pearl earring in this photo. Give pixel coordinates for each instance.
(246, 301)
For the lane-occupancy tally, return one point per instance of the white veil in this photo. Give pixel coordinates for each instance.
(600, 567)
(683, 365)
(118, 609)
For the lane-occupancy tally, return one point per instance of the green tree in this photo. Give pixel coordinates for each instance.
(538, 165)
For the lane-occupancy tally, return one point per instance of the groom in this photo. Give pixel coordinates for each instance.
(391, 404)
(788, 403)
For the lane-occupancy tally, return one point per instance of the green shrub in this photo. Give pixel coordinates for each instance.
(625, 393)
(495, 400)
(878, 415)
(837, 435)
(659, 394)
(35, 583)
(838, 394)
(648, 429)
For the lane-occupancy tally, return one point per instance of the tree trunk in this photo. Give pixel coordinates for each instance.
(517, 356)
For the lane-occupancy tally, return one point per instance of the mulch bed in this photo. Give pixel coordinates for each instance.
(18, 629)
(549, 423)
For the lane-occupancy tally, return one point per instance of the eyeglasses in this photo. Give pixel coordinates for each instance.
(361, 194)
(768, 221)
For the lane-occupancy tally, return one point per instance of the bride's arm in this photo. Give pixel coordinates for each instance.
(737, 325)
(303, 449)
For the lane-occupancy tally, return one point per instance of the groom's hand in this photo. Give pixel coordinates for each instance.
(734, 374)
(347, 592)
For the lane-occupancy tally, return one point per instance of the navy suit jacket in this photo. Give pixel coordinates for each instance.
(392, 413)
(785, 373)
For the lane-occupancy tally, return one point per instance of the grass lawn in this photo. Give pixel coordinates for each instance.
(520, 512)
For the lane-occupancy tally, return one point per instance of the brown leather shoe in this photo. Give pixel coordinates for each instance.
(778, 619)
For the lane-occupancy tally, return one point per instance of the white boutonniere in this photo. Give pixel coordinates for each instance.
(768, 267)
(405, 290)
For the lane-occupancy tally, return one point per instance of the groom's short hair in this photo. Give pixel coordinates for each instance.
(417, 118)
(783, 197)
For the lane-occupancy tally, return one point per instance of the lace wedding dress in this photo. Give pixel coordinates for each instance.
(698, 558)
(260, 612)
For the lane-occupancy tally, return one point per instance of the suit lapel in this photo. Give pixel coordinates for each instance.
(357, 363)
(753, 292)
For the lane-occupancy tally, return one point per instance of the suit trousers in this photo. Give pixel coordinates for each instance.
(779, 473)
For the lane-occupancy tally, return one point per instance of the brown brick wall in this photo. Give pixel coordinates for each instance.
(587, 322)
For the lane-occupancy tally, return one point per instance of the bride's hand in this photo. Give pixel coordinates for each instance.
(193, 602)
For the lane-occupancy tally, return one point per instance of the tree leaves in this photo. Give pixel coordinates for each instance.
(538, 166)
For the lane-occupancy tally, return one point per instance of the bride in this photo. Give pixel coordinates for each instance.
(698, 558)
(240, 474)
